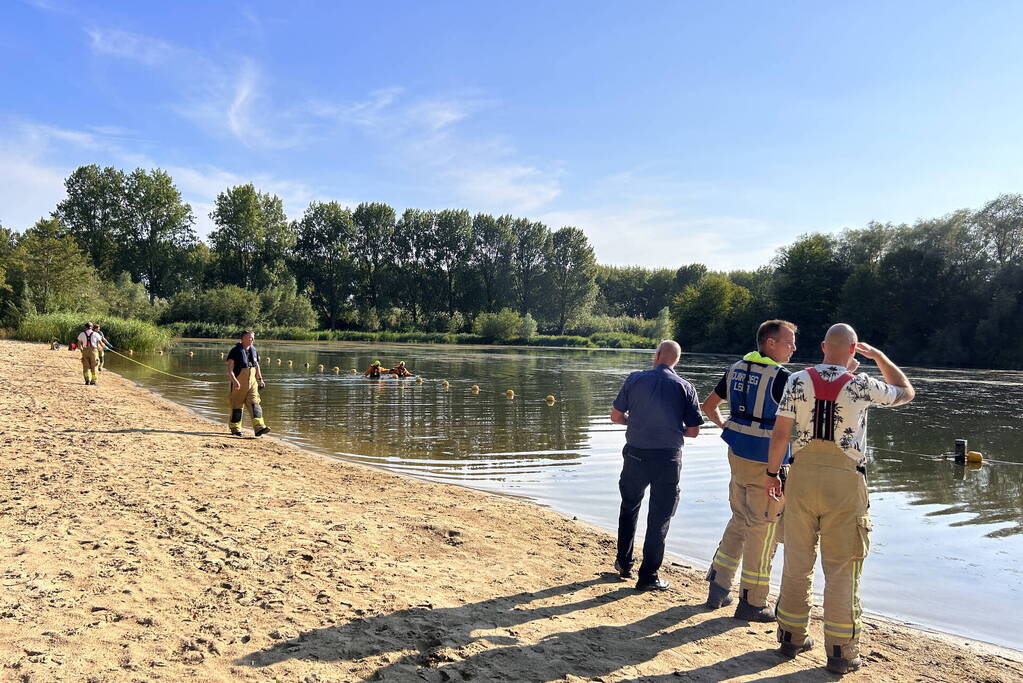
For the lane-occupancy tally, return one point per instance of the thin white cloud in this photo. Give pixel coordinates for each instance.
(36, 158)
(133, 46)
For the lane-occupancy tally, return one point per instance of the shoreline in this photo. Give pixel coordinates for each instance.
(143, 543)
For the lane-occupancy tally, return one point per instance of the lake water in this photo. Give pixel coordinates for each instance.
(948, 540)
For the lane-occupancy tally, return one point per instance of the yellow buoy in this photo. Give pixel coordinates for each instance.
(974, 456)
(510, 393)
(444, 384)
(354, 371)
(321, 367)
(336, 369)
(131, 352)
(278, 361)
(306, 365)
(191, 354)
(550, 398)
(290, 363)
(160, 352)
(419, 380)
(222, 355)
(475, 389)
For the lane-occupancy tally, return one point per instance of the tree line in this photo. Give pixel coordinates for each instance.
(943, 290)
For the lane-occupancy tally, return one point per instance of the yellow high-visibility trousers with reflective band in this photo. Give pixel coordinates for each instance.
(825, 499)
(90, 363)
(752, 534)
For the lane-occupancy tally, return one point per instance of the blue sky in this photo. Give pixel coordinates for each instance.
(671, 132)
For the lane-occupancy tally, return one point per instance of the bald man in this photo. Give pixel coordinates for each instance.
(826, 492)
(659, 409)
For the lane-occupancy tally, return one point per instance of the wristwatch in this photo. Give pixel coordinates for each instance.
(771, 474)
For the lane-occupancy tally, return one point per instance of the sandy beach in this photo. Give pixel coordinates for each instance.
(141, 542)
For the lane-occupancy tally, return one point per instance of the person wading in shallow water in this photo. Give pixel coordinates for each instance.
(246, 381)
(753, 388)
(374, 370)
(826, 491)
(659, 409)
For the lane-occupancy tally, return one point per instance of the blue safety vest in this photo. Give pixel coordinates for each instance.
(752, 410)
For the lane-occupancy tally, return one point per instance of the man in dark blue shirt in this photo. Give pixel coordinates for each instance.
(659, 409)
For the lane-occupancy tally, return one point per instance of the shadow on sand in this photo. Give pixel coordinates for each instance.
(446, 648)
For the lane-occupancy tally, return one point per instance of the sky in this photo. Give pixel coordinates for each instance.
(670, 132)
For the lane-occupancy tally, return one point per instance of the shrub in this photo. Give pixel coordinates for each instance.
(527, 330)
(65, 327)
(498, 327)
(622, 340)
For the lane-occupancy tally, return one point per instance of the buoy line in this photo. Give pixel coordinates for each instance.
(184, 379)
(942, 456)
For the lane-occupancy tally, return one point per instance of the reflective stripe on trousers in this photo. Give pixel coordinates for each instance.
(826, 499)
(751, 536)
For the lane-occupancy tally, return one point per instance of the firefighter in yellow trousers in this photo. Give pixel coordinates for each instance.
(88, 343)
(753, 388)
(246, 381)
(826, 492)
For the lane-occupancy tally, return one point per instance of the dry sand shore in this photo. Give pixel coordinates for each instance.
(139, 542)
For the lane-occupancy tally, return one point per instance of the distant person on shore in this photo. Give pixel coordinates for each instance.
(246, 381)
(826, 492)
(88, 344)
(374, 370)
(753, 388)
(101, 347)
(659, 409)
(400, 370)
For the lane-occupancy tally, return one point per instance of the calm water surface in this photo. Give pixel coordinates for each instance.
(948, 541)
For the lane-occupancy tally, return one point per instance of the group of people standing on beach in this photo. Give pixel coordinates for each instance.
(796, 451)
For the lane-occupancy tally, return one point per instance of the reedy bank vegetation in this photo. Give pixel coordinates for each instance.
(943, 290)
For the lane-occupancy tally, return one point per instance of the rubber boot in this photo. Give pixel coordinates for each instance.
(717, 596)
(747, 612)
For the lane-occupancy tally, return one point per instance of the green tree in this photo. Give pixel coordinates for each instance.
(253, 238)
(1001, 228)
(490, 257)
(157, 232)
(529, 262)
(571, 267)
(710, 315)
(284, 306)
(50, 271)
(808, 283)
(95, 212)
(323, 258)
(450, 251)
(374, 230)
(414, 237)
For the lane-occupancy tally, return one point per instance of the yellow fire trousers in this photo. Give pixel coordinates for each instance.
(246, 396)
(90, 363)
(825, 499)
(751, 536)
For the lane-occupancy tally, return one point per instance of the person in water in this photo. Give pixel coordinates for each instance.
(400, 370)
(374, 370)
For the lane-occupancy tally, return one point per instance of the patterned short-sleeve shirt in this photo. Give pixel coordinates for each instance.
(861, 392)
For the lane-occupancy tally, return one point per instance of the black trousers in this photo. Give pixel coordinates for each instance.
(662, 474)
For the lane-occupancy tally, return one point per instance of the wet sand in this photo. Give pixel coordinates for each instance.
(141, 542)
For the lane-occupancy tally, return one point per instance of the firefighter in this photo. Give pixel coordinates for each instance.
(88, 344)
(400, 370)
(753, 387)
(826, 491)
(374, 370)
(246, 381)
